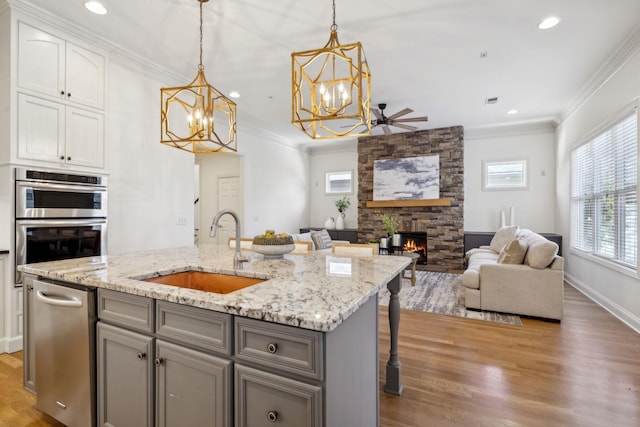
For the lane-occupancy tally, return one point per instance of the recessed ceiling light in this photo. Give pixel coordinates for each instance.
(96, 7)
(512, 112)
(549, 22)
(234, 94)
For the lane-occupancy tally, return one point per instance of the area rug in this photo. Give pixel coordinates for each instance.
(442, 293)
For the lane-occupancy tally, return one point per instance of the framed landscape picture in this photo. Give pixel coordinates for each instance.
(411, 178)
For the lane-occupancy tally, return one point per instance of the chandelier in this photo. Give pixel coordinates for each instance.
(330, 89)
(197, 117)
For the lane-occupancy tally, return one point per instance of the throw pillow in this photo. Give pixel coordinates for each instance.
(502, 237)
(321, 239)
(513, 252)
(541, 253)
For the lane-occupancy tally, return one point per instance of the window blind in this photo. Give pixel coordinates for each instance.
(604, 213)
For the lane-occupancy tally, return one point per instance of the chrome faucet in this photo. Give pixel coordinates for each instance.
(238, 258)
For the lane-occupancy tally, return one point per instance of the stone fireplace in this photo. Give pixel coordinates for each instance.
(442, 223)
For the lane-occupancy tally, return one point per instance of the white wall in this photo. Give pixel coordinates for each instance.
(615, 290)
(276, 182)
(534, 207)
(151, 186)
(332, 159)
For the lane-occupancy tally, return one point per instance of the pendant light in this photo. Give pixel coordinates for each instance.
(330, 89)
(197, 117)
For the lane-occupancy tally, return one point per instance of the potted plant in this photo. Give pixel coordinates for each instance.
(391, 226)
(342, 205)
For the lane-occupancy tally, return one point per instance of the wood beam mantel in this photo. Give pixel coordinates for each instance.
(401, 203)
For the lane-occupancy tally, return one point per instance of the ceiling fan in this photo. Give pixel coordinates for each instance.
(394, 120)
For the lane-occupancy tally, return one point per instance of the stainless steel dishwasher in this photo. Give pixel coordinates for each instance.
(64, 332)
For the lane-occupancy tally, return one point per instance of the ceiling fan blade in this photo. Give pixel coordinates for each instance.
(400, 113)
(386, 130)
(400, 125)
(413, 119)
(376, 113)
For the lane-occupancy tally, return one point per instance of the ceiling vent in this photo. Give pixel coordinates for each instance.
(493, 100)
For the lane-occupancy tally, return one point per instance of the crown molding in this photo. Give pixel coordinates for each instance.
(627, 49)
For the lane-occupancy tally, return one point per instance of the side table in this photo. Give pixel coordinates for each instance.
(411, 268)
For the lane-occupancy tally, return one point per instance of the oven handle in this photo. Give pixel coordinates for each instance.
(59, 300)
(60, 187)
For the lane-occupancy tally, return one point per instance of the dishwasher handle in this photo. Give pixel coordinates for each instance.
(59, 300)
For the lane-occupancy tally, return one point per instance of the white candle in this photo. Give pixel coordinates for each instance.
(503, 220)
(512, 216)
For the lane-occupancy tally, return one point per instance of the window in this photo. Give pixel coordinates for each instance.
(604, 194)
(339, 182)
(506, 175)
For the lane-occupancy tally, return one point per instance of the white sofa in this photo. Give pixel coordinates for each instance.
(519, 272)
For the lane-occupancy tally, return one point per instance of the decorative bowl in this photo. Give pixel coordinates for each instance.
(273, 251)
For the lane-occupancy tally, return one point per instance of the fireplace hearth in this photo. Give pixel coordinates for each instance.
(415, 242)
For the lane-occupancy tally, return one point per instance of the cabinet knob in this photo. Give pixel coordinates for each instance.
(61, 92)
(272, 348)
(272, 416)
(69, 158)
(68, 95)
(61, 157)
(141, 355)
(158, 361)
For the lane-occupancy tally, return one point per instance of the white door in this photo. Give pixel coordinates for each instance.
(228, 198)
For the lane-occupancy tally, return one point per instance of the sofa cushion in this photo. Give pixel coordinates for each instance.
(513, 252)
(321, 239)
(502, 237)
(541, 253)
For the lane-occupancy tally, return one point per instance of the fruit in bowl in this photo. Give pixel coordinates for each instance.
(273, 245)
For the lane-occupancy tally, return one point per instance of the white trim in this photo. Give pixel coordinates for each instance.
(614, 309)
(532, 128)
(629, 47)
(613, 265)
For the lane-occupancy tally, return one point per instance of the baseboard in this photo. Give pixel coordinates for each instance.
(616, 310)
(11, 345)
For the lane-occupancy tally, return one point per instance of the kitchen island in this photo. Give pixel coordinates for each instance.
(322, 308)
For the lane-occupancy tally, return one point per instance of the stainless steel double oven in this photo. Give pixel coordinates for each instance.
(59, 215)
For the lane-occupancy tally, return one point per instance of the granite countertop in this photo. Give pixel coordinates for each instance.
(313, 291)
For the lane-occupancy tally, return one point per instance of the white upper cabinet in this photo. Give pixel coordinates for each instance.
(51, 66)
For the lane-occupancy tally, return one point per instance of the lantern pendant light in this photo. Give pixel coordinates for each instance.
(331, 89)
(197, 117)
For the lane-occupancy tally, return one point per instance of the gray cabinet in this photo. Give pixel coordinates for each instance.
(167, 364)
(193, 388)
(264, 399)
(161, 377)
(125, 377)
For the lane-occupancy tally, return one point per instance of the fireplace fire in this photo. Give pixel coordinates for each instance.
(415, 242)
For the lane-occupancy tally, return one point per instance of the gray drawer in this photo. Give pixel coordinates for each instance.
(130, 311)
(286, 348)
(195, 327)
(263, 399)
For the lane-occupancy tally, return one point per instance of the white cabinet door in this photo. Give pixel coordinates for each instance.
(51, 132)
(84, 76)
(53, 67)
(41, 61)
(84, 138)
(40, 129)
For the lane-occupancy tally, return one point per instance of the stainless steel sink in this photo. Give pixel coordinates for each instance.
(208, 282)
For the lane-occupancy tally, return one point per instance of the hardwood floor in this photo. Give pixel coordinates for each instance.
(582, 372)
